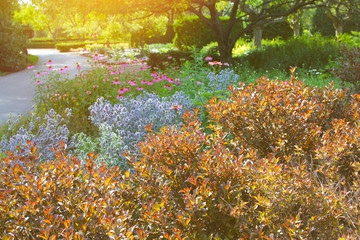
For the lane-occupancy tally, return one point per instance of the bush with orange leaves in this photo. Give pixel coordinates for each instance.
(281, 162)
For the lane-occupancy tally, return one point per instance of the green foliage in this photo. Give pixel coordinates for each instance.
(322, 23)
(280, 30)
(193, 32)
(13, 42)
(67, 46)
(210, 49)
(305, 52)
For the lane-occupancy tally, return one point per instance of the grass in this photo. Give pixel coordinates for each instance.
(32, 60)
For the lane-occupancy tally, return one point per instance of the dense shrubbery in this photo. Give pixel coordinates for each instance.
(227, 184)
(13, 42)
(305, 52)
(348, 66)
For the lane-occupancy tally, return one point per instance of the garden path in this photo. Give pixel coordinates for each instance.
(17, 89)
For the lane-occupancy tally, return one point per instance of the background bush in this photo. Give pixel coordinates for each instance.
(305, 52)
(13, 41)
(67, 46)
(280, 30)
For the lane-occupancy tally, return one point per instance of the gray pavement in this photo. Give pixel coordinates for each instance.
(17, 89)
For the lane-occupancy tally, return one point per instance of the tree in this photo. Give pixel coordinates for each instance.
(255, 14)
(339, 11)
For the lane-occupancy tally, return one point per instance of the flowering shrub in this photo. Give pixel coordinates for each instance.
(130, 116)
(46, 133)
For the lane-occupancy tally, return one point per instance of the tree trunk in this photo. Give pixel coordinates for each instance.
(257, 36)
(225, 50)
(338, 30)
(296, 30)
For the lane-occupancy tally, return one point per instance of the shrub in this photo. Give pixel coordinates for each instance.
(288, 117)
(62, 199)
(129, 118)
(305, 52)
(44, 132)
(13, 45)
(210, 49)
(348, 69)
(162, 60)
(49, 44)
(187, 184)
(67, 46)
(108, 146)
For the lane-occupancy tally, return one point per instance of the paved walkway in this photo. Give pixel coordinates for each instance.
(17, 89)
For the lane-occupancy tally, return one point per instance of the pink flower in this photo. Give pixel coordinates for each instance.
(38, 74)
(226, 64)
(120, 96)
(140, 88)
(105, 79)
(132, 82)
(208, 58)
(48, 86)
(169, 57)
(121, 91)
(170, 80)
(116, 82)
(113, 73)
(30, 67)
(176, 107)
(44, 73)
(168, 87)
(150, 82)
(49, 62)
(66, 68)
(62, 70)
(38, 82)
(157, 79)
(109, 67)
(88, 92)
(143, 82)
(95, 86)
(96, 57)
(78, 67)
(215, 63)
(199, 83)
(50, 68)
